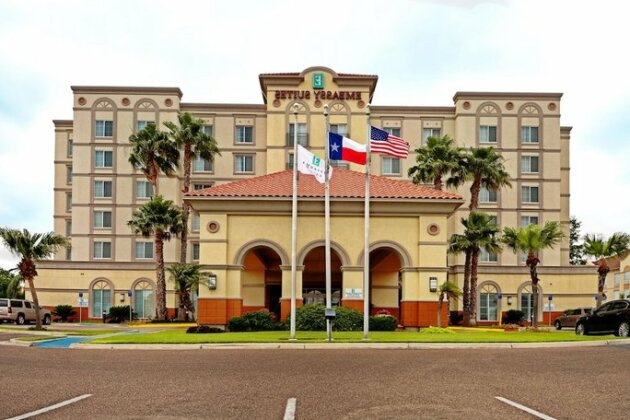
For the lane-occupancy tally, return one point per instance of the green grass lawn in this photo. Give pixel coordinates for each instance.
(425, 336)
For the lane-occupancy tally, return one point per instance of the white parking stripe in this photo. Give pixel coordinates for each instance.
(51, 407)
(526, 409)
(289, 413)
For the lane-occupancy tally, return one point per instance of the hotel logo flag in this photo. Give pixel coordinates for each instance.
(310, 164)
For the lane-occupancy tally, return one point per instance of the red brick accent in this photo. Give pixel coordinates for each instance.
(353, 304)
(285, 307)
(422, 314)
(247, 309)
(218, 311)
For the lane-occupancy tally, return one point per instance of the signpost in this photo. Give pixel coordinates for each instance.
(499, 315)
(129, 293)
(550, 297)
(81, 303)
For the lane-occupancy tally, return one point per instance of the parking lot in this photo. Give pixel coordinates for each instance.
(347, 384)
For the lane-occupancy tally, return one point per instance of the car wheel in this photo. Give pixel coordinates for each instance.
(20, 320)
(580, 329)
(623, 330)
(558, 325)
(46, 319)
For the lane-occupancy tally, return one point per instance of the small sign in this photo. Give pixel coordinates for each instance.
(354, 293)
(318, 80)
(82, 303)
(549, 306)
(330, 313)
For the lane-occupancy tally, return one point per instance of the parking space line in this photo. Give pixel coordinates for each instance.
(289, 412)
(50, 407)
(526, 409)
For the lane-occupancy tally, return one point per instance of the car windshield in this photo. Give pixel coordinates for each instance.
(4, 303)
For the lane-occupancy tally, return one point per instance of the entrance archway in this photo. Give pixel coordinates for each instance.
(261, 280)
(314, 276)
(385, 281)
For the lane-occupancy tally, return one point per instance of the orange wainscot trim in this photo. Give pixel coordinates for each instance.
(392, 311)
(285, 307)
(357, 305)
(248, 309)
(422, 314)
(218, 311)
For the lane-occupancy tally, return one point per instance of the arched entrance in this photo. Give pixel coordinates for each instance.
(261, 280)
(385, 281)
(314, 276)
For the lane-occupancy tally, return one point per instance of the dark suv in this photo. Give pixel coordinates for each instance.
(611, 317)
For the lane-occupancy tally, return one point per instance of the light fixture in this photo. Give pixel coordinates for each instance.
(433, 284)
(122, 297)
(212, 281)
(509, 300)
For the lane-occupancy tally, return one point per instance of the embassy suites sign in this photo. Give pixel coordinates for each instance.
(341, 95)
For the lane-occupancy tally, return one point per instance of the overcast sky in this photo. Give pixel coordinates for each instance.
(422, 51)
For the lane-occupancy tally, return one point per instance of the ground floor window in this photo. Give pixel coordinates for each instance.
(143, 300)
(526, 301)
(316, 295)
(488, 303)
(101, 299)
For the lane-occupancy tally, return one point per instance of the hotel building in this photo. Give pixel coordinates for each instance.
(240, 229)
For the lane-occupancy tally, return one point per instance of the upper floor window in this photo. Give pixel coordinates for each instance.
(68, 228)
(390, 166)
(339, 164)
(487, 134)
(144, 250)
(104, 128)
(68, 201)
(197, 187)
(529, 220)
(103, 159)
(529, 164)
(529, 134)
(102, 189)
(144, 189)
(208, 130)
(202, 165)
(617, 279)
(487, 196)
(341, 129)
(102, 219)
(290, 159)
(429, 132)
(195, 251)
(196, 222)
(69, 175)
(244, 134)
(243, 164)
(529, 194)
(485, 256)
(302, 134)
(394, 131)
(102, 250)
(70, 148)
(140, 124)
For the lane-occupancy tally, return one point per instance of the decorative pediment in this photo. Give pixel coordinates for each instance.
(489, 109)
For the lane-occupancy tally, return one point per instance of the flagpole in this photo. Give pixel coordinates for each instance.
(327, 224)
(294, 223)
(366, 245)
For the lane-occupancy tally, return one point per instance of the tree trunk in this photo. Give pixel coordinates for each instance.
(532, 263)
(38, 316)
(475, 188)
(439, 314)
(602, 272)
(185, 205)
(474, 260)
(466, 291)
(161, 312)
(28, 271)
(437, 181)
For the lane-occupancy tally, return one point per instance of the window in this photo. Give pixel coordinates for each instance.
(102, 189)
(488, 303)
(390, 166)
(68, 253)
(529, 164)
(527, 303)
(144, 189)
(394, 131)
(429, 132)
(103, 159)
(244, 134)
(196, 222)
(529, 134)
(195, 252)
(487, 196)
(68, 201)
(104, 128)
(102, 219)
(101, 299)
(69, 175)
(197, 187)
(140, 124)
(28, 305)
(144, 250)
(529, 194)
(143, 300)
(302, 134)
(529, 220)
(341, 129)
(617, 280)
(290, 161)
(626, 277)
(208, 130)
(485, 256)
(68, 228)
(102, 250)
(243, 164)
(487, 134)
(70, 149)
(493, 219)
(202, 165)
(339, 164)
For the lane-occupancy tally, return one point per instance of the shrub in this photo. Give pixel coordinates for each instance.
(383, 323)
(347, 319)
(514, 316)
(456, 318)
(237, 324)
(311, 317)
(118, 314)
(255, 321)
(64, 312)
(203, 329)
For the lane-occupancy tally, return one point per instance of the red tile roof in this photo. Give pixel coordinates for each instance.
(343, 184)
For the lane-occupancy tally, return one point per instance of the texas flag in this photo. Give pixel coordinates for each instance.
(342, 148)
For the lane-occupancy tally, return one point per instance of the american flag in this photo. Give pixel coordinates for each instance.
(383, 142)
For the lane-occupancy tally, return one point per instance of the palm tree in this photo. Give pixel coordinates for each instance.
(531, 240)
(595, 246)
(153, 152)
(31, 248)
(438, 158)
(458, 244)
(187, 278)
(484, 167)
(162, 219)
(189, 134)
(448, 290)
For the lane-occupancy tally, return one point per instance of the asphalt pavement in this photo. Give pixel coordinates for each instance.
(569, 383)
